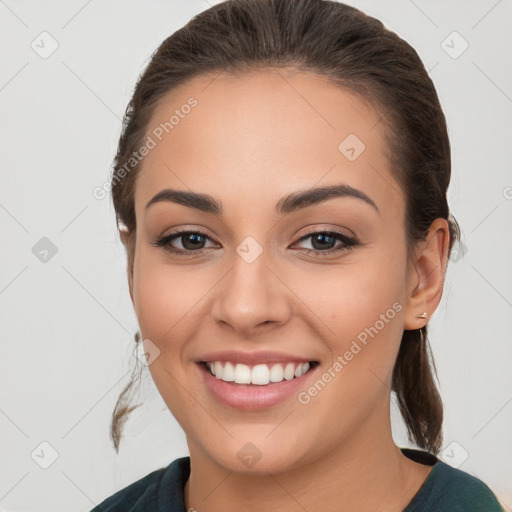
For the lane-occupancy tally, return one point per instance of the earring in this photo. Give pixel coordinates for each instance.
(422, 315)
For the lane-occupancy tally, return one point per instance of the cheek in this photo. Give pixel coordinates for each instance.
(363, 308)
(167, 304)
(157, 303)
(361, 303)
(353, 295)
(166, 297)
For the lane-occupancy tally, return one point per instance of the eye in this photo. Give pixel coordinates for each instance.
(191, 241)
(324, 242)
(195, 242)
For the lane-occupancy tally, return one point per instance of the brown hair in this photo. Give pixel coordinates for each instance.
(354, 51)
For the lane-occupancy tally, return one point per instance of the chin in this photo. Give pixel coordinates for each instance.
(259, 456)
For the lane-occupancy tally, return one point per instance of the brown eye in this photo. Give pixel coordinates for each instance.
(190, 241)
(324, 242)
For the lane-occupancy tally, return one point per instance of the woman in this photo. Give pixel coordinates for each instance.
(280, 188)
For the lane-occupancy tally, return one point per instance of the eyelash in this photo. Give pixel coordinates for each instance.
(164, 242)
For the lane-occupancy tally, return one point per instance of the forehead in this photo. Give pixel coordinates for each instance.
(265, 133)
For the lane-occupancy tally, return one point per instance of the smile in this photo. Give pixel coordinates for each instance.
(260, 374)
(255, 387)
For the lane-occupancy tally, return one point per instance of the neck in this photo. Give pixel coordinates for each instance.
(365, 472)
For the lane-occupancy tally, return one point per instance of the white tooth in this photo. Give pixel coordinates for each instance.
(289, 371)
(260, 375)
(276, 373)
(242, 374)
(228, 373)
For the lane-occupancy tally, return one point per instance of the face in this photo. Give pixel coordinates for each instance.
(323, 280)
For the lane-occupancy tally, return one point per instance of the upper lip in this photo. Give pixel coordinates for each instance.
(252, 358)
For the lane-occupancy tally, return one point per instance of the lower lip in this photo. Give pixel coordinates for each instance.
(251, 396)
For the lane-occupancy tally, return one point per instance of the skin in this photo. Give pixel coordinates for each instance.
(251, 140)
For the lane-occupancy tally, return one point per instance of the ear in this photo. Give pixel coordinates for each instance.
(127, 242)
(426, 275)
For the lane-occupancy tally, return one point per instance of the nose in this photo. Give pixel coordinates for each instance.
(251, 297)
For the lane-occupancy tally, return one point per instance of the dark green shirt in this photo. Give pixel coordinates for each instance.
(445, 489)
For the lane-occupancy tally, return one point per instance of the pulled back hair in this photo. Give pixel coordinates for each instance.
(356, 52)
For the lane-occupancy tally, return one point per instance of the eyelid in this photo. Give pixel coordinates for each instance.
(347, 243)
(326, 229)
(188, 229)
(183, 231)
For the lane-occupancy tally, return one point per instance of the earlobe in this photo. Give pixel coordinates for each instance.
(426, 275)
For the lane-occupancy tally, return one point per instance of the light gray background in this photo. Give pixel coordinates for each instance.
(67, 324)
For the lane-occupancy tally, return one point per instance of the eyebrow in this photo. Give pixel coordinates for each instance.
(288, 204)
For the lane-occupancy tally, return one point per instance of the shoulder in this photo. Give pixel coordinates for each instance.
(143, 495)
(451, 489)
